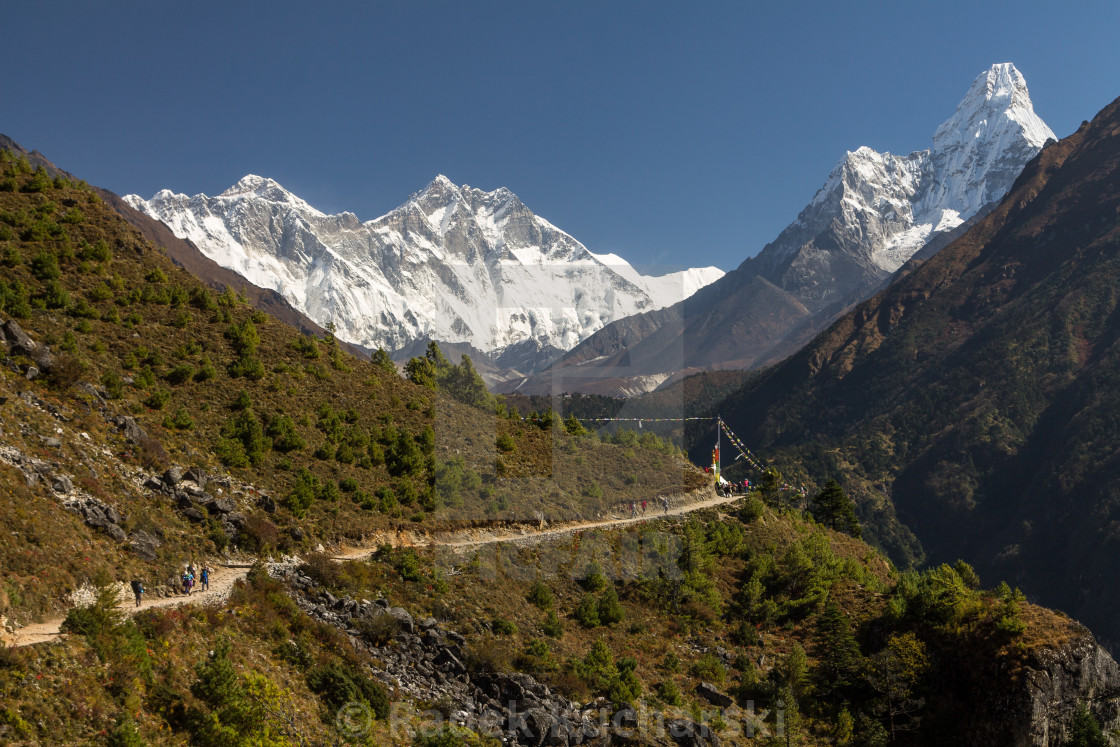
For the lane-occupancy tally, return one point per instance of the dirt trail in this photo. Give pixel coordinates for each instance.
(223, 577)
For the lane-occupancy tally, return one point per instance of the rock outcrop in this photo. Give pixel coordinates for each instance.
(427, 663)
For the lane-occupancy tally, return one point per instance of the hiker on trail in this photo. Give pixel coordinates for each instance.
(205, 578)
(138, 590)
(190, 569)
(633, 509)
(643, 508)
(187, 579)
(665, 502)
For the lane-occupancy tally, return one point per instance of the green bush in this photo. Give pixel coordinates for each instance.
(502, 626)
(285, 437)
(101, 616)
(610, 609)
(182, 420)
(338, 684)
(587, 613)
(504, 443)
(181, 374)
(242, 441)
(540, 595)
(669, 693)
(552, 627)
(303, 494)
(157, 399)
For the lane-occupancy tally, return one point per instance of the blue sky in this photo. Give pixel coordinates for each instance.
(670, 133)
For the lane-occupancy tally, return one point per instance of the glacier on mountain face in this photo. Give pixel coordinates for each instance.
(455, 264)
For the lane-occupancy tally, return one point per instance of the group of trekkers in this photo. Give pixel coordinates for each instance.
(187, 580)
(735, 487)
(634, 507)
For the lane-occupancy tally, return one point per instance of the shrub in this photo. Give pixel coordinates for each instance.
(504, 443)
(502, 626)
(587, 613)
(55, 296)
(113, 384)
(540, 595)
(303, 494)
(610, 610)
(407, 564)
(669, 693)
(157, 399)
(206, 371)
(552, 626)
(99, 251)
(242, 441)
(595, 580)
(181, 374)
(709, 668)
(182, 420)
(285, 437)
(338, 684)
(101, 616)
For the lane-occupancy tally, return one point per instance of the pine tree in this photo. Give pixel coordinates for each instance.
(1085, 730)
(836, 510)
(838, 657)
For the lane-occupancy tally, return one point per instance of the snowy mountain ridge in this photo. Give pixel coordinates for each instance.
(453, 263)
(880, 208)
(874, 212)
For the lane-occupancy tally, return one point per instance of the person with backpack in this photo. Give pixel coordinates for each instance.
(138, 590)
(205, 577)
(186, 583)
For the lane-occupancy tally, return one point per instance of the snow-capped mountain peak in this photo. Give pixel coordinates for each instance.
(262, 188)
(878, 209)
(993, 132)
(453, 263)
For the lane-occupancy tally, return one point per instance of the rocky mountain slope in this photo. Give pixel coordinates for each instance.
(453, 264)
(979, 392)
(874, 212)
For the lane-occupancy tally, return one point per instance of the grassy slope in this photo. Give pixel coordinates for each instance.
(124, 316)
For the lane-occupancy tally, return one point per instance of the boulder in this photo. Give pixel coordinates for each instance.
(62, 484)
(90, 390)
(43, 358)
(129, 428)
(403, 618)
(32, 373)
(195, 475)
(21, 343)
(194, 515)
(173, 475)
(709, 693)
(144, 544)
(266, 504)
(221, 506)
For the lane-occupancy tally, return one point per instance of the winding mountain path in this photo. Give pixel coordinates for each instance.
(223, 577)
